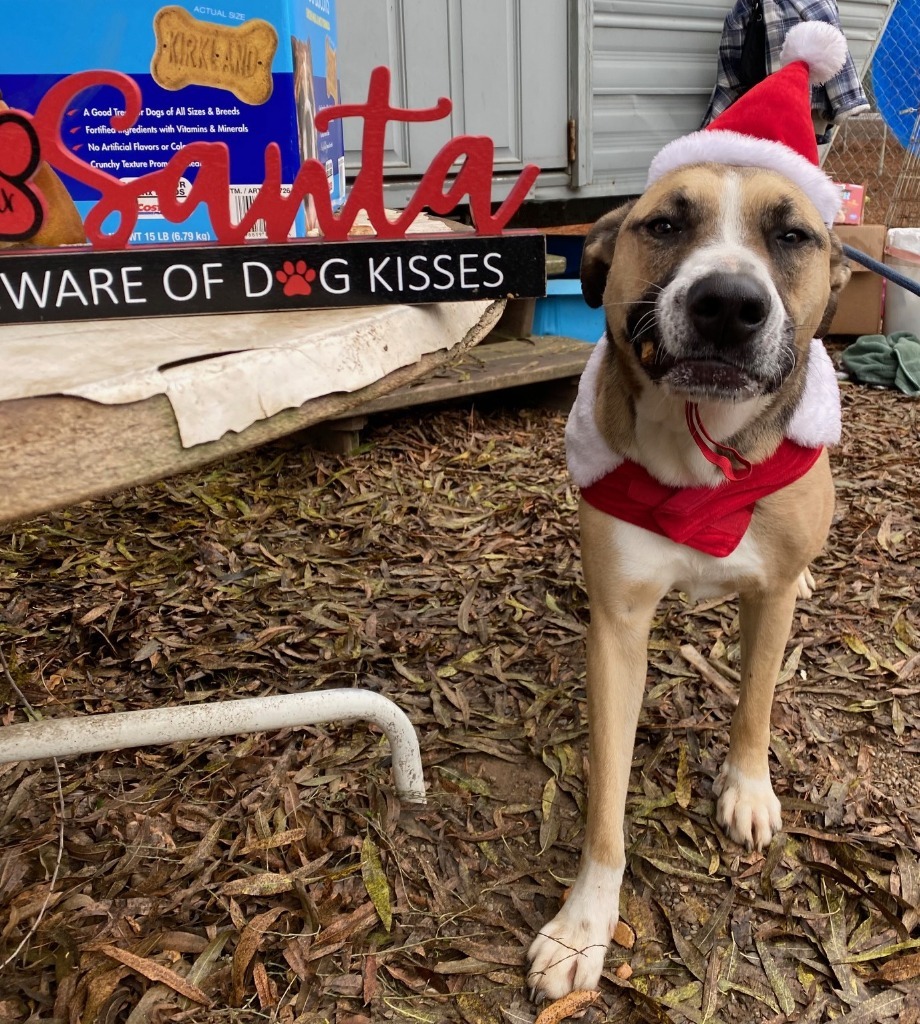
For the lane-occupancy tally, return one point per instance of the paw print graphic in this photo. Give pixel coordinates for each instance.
(296, 278)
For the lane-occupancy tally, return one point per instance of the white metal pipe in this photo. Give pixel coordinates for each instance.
(64, 737)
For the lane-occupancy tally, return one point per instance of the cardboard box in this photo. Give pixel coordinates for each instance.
(862, 301)
(852, 203)
(206, 73)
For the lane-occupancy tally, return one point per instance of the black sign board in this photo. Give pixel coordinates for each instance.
(78, 284)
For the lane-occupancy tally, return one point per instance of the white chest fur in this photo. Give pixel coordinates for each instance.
(664, 445)
(645, 557)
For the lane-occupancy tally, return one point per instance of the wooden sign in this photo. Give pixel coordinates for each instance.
(67, 284)
(110, 281)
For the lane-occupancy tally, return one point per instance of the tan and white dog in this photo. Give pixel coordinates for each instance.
(715, 283)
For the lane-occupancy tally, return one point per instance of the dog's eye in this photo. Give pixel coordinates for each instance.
(794, 237)
(662, 226)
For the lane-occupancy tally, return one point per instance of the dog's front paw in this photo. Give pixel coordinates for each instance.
(748, 808)
(568, 953)
(805, 584)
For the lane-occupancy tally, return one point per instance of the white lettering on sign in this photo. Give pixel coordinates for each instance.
(192, 283)
(499, 278)
(127, 285)
(341, 280)
(248, 267)
(444, 272)
(104, 285)
(69, 289)
(420, 273)
(27, 284)
(98, 286)
(376, 272)
(208, 280)
(465, 270)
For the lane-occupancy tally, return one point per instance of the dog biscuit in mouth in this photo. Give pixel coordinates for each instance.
(193, 52)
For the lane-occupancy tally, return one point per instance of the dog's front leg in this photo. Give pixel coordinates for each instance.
(569, 951)
(748, 807)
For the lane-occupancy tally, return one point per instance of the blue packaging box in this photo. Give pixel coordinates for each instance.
(564, 312)
(276, 77)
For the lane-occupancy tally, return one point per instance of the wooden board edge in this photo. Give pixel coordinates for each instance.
(57, 450)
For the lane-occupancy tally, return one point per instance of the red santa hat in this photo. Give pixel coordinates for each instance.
(770, 125)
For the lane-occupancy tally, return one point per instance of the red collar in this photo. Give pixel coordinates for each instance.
(709, 519)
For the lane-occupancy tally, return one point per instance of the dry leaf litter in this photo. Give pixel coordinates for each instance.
(276, 878)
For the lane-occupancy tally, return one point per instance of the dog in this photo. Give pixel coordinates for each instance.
(714, 283)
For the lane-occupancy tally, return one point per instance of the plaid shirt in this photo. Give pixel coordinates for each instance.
(832, 102)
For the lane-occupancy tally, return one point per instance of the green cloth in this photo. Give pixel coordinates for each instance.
(892, 362)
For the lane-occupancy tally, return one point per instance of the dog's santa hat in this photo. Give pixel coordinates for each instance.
(770, 125)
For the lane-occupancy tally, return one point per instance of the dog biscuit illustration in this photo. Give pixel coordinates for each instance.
(193, 52)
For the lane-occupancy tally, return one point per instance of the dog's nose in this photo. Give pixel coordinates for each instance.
(727, 309)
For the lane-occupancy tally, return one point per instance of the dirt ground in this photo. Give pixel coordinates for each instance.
(276, 878)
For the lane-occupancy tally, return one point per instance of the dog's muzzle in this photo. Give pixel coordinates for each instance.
(727, 310)
(722, 334)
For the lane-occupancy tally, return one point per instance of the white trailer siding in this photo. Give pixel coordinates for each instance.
(654, 66)
(616, 78)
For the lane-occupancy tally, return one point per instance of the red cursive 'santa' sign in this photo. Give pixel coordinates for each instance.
(441, 189)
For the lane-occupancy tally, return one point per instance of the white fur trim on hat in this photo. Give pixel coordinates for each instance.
(821, 46)
(814, 424)
(717, 146)
(816, 420)
(588, 455)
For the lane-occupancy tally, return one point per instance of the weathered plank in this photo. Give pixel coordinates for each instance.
(490, 367)
(55, 450)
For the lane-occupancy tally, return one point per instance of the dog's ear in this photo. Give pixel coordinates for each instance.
(598, 254)
(840, 274)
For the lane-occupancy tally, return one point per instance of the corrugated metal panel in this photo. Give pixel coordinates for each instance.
(862, 21)
(654, 66)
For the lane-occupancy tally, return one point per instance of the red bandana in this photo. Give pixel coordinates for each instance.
(710, 519)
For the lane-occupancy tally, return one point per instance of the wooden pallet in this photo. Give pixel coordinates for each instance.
(57, 449)
(491, 366)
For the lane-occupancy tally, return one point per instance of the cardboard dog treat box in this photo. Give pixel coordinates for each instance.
(247, 74)
(852, 202)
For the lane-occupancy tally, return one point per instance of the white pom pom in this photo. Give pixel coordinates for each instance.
(823, 47)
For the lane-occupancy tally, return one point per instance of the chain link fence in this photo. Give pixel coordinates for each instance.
(881, 149)
(865, 152)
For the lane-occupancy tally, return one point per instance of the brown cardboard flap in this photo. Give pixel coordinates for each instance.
(860, 307)
(868, 238)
